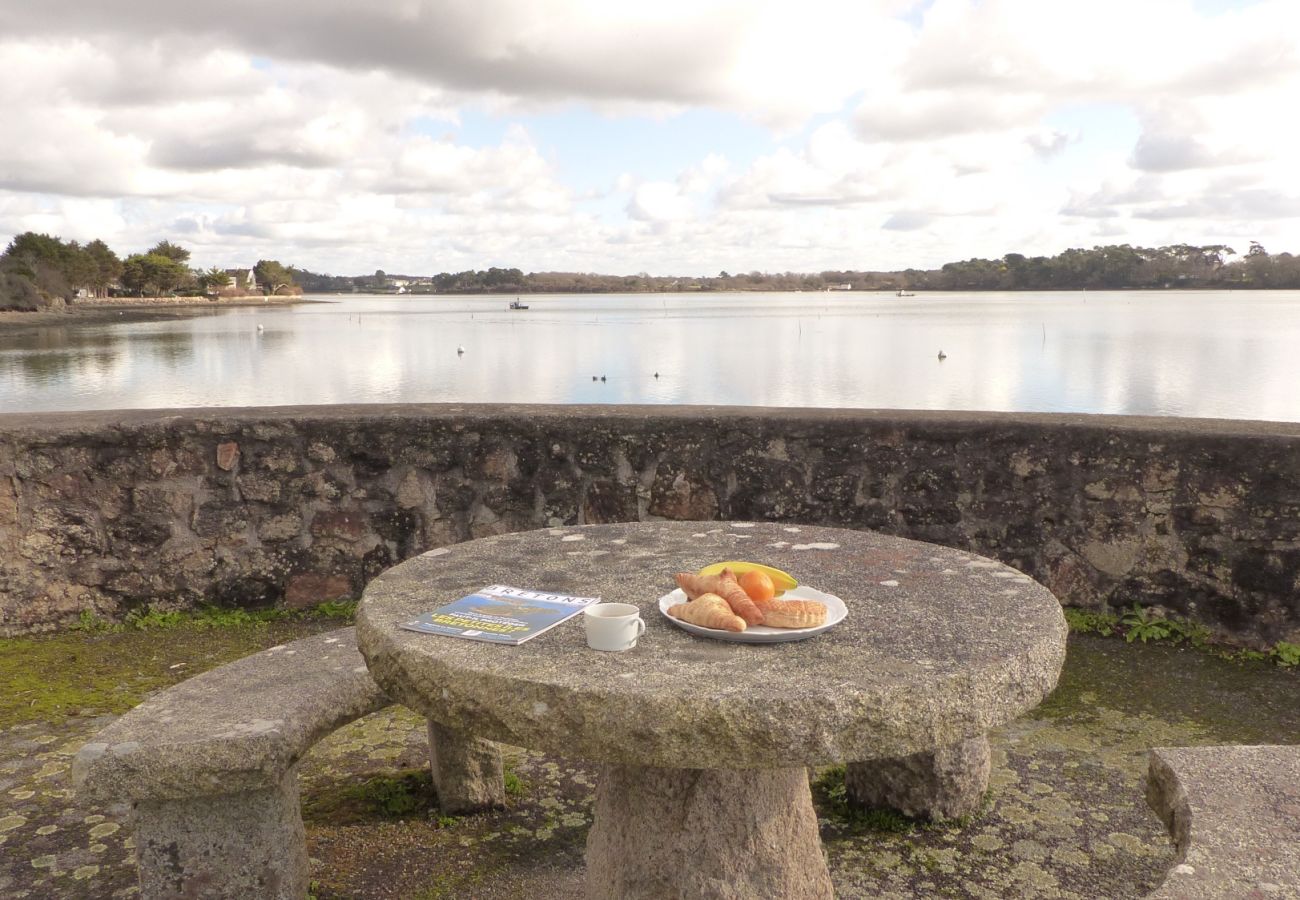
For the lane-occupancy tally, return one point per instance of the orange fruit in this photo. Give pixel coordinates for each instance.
(758, 585)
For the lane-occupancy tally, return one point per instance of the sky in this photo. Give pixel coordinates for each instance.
(679, 137)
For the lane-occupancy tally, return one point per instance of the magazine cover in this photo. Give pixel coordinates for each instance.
(501, 614)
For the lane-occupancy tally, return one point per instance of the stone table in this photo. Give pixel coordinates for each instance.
(704, 744)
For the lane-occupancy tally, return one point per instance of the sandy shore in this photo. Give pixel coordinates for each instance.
(131, 309)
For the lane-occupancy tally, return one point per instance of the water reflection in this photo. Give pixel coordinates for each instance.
(1214, 354)
(56, 358)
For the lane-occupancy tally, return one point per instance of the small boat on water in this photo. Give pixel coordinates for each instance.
(903, 293)
(515, 304)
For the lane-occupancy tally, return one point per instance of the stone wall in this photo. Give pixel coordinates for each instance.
(108, 511)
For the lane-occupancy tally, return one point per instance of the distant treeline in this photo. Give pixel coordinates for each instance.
(1116, 267)
(38, 270)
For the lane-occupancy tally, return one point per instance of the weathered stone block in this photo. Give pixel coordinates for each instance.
(467, 771)
(347, 525)
(606, 501)
(310, 589)
(260, 488)
(281, 528)
(220, 520)
(676, 495)
(227, 455)
(946, 783)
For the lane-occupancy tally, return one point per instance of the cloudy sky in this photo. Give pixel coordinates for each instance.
(673, 137)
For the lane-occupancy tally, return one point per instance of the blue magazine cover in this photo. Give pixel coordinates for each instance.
(500, 614)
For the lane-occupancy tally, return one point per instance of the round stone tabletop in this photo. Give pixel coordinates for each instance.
(938, 646)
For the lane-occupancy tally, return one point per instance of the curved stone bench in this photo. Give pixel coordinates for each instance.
(1234, 816)
(210, 767)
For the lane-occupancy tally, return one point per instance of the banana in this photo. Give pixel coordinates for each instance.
(781, 580)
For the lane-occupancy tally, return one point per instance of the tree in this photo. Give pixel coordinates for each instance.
(214, 279)
(271, 275)
(42, 270)
(107, 268)
(174, 252)
(152, 274)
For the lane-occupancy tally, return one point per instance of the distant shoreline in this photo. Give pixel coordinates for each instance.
(131, 309)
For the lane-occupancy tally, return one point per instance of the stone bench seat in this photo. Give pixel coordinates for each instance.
(239, 727)
(1234, 816)
(210, 768)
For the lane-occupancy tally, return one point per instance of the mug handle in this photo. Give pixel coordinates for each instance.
(640, 627)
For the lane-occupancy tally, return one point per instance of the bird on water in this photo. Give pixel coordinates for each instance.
(460, 351)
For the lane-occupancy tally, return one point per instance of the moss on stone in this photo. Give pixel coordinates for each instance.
(49, 677)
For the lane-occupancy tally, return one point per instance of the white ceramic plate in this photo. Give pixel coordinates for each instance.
(763, 634)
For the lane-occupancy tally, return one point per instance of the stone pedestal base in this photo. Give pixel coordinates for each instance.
(223, 847)
(466, 771)
(944, 784)
(705, 833)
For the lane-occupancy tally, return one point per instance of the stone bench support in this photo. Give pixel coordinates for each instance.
(740, 835)
(210, 768)
(946, 783)
(247, 844)
(467, 771)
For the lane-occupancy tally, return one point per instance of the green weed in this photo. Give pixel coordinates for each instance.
(513, 783)
(1089, 621)
(1141, 624)
(89, 622)
(345, 610)
(1286, 655)
(149, 618)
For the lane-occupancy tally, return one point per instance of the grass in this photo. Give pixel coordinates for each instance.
(108, 667)
(153, 617)
(404, 794)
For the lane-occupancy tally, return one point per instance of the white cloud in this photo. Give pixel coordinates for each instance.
(353, 135)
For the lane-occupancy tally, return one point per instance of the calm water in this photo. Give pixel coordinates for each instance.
(1217, 354)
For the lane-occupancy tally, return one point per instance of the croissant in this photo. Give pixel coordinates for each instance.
(726, 587)
(793, 613)
(708, 611)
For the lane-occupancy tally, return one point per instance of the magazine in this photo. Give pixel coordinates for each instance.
(501, 614)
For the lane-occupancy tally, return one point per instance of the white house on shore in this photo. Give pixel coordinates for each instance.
(242, 281)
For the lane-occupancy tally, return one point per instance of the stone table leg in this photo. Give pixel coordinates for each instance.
(946, 783)
(467, 771)
(249, 844)
(705, 833)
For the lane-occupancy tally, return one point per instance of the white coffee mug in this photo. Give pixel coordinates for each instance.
(612, 626)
